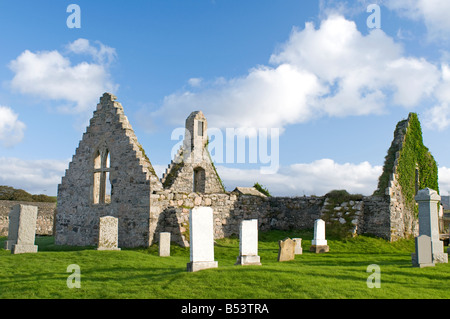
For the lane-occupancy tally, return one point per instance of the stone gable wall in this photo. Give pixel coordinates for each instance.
(131, 177)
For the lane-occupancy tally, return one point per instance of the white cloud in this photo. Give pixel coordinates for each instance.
(33, 176)
(434, 14)
(11, 129)
(438, 116)
(51, 76)
(316, 178)
(333, 70)
(444, 180)
(195, 82)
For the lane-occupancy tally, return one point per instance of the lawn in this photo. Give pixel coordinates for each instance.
(142, 274)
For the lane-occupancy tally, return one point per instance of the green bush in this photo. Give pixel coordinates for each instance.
(262, 189)
(10, 193)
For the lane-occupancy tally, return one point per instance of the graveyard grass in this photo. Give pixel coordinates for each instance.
(141, 274)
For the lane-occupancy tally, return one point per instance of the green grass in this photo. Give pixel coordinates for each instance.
(141, 273)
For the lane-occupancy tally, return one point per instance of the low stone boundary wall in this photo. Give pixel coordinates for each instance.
(170, 213)
(45, 217)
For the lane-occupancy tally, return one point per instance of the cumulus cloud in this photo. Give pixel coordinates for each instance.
(438, 116)
(11, 129)
(51, 76)
(34, 176)
(315, 178)
(332, 70)
(434, 13)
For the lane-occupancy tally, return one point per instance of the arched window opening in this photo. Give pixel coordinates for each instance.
(199, 180)
(102, 188)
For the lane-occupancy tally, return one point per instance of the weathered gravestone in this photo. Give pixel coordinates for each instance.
(22, 229)
(108, 233)
(298, 246)
(201, 239)
(423, 256)
(319, 243)
(248, 243)
(286, 251)
(164, 244)
(429, 222)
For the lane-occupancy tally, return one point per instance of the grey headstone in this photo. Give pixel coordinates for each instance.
(429, 222)
(22, 230)
(423, 256)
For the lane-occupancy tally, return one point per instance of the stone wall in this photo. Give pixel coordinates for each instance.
(170, 213)
(45, 217)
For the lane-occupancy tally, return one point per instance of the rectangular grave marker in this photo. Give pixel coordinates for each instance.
(201, 239)
(108, 233)
(248, 243)
(22, 229)
(164, 244)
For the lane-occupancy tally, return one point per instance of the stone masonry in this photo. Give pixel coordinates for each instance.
(82, 194)
(110, 174)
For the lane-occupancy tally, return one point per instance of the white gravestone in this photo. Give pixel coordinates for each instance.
(429, 222)
(248, 243)
(108, 233)
(201, 239)
(319, 243)
(22, 229)
(298, 246)
(164, 244)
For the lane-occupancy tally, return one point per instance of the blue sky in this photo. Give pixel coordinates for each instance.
(333, 87)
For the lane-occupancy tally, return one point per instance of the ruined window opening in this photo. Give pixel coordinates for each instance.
(199, 180)
(200, 128)
(102, 188)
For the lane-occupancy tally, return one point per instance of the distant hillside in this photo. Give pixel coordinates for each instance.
(10, 193)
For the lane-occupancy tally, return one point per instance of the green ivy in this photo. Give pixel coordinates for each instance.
(412, 154)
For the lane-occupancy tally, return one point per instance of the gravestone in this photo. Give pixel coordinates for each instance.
(248, 243)
(286, 250)
(164, 244)
(423, 256)
(319, 243)
(22, 229)
(201, 230)
(298, 246)
(108, 233)
(429, 222)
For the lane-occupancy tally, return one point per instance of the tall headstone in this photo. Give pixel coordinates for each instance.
(201, 239)
(298, 246)
(423, 256)
(248, 243)
(108, 233)
(319, 243)
(22, 229)
(429, 222)
(286, 250)
(164, 244)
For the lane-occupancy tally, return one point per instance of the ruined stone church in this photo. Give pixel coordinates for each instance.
(111, 175)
